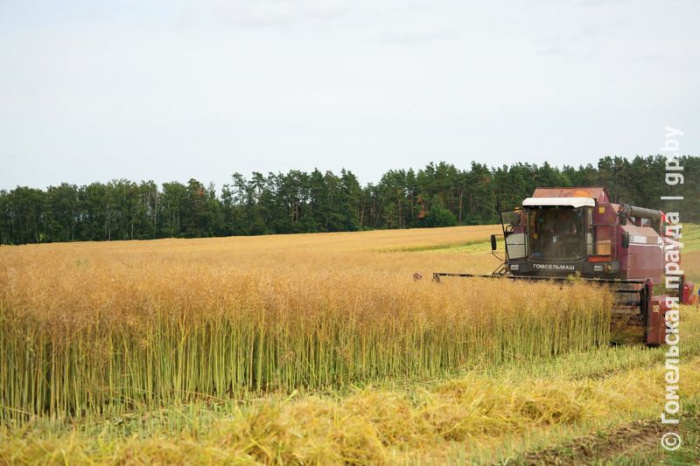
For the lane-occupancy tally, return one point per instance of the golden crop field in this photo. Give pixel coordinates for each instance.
(315, 348)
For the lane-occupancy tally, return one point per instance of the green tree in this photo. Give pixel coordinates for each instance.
(62, 212)
(172, 208)
(440, 217)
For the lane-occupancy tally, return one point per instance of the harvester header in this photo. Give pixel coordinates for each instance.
(578, 231)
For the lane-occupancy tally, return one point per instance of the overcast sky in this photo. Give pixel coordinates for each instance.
(169, 90)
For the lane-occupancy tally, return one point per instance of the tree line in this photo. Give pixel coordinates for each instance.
(298, 202)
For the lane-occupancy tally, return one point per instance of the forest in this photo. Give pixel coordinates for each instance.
(299, 202)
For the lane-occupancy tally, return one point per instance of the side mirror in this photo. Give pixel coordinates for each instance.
(493, 242)
(625, 239)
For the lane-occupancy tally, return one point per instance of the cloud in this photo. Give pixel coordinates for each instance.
(277, 13)
(598, 3)
(580, 41)
(417, 37)
(553, 49)
(647, 58)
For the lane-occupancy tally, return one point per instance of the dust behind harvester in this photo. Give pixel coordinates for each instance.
(560, 232)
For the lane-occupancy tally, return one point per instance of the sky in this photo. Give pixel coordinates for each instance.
(172, 90)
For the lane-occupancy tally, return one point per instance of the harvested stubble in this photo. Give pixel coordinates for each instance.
(115, 330)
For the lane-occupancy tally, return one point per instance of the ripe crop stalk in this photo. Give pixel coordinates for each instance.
(118, 331)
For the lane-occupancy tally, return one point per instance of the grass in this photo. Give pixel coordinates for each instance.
(691, 237)
(471, 246)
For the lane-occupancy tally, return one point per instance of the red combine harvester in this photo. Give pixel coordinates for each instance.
(560, 232)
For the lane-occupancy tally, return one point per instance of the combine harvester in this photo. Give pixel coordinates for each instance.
(560, 232)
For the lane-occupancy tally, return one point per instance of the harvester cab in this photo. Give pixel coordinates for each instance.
(559, 232)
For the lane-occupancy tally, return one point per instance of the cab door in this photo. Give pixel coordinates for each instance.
(515, 233)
